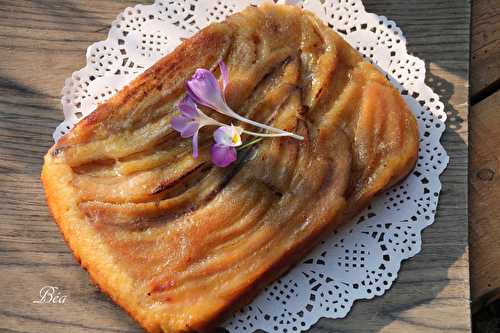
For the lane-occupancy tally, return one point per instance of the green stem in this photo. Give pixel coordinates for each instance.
(250, 143)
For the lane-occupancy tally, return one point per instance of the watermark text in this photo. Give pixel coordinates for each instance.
(51, 295)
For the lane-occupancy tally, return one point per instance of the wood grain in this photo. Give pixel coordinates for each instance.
(43, 42)
(485, 46)
(484, 190)
(484, 199)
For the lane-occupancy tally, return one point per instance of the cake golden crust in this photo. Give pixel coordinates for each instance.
(179, 243)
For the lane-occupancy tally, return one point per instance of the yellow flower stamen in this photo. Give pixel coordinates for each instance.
(235, 138)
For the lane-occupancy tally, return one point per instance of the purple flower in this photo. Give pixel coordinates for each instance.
(191, 121)
(226, 139)
(204, 89)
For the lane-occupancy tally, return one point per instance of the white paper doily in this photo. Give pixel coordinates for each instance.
(358, 262)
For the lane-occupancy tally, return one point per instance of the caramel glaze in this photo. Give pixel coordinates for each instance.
(198, 240)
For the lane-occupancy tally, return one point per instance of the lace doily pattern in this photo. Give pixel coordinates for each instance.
(362, 259)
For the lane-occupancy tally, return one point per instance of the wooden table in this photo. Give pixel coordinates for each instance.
(43, 42)
(485, 153)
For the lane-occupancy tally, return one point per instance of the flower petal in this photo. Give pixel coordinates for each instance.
(190, 129)
(228, 135)
(236, 136)
(225, 75)
(204, 89)
(223, 155)
(179, 123)
(222, 135)
(188, 107)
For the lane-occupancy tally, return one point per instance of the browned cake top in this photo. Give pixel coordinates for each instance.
(194, 237)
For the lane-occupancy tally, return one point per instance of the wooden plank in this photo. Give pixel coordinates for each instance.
(43, 42)
(484, 199)
(485, 80)
(485, 45)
